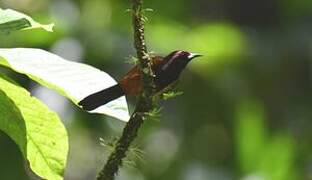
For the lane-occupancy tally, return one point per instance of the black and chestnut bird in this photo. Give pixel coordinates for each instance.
(166, 69)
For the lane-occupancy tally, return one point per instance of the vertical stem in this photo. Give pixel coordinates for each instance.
(145, 103)
(140, 46)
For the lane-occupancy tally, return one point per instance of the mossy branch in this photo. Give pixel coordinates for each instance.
(145, 103)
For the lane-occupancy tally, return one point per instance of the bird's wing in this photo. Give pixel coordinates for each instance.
(131, 82)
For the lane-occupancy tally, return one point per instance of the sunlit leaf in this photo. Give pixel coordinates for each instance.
(250, 134)
(217, 40)
(11, 20)
(37, 131)
(73, 80)
(166, 37)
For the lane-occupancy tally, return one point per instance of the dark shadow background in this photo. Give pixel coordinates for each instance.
(246, 108)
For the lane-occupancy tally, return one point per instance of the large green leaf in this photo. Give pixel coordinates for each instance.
(71, 79)
(37, 131)
(11, 20)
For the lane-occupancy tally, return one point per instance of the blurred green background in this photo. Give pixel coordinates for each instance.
(246, 108)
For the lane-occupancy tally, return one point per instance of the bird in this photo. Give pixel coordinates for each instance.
(166, 72)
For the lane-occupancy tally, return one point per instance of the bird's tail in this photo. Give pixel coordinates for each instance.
(100, 98)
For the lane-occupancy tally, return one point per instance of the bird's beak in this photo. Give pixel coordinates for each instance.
(194, 55)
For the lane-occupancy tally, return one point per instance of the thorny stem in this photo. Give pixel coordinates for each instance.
(145, 103)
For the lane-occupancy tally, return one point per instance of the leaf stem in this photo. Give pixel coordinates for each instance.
(145, 103)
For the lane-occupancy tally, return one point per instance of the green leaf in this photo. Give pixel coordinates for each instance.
(11, 20)
(37, 131)
(251, 134)
(73, 80)
(260, 154)
(171, 94)
(278, 160)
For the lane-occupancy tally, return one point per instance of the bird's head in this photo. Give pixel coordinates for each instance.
(178, 60)
(182, 56)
